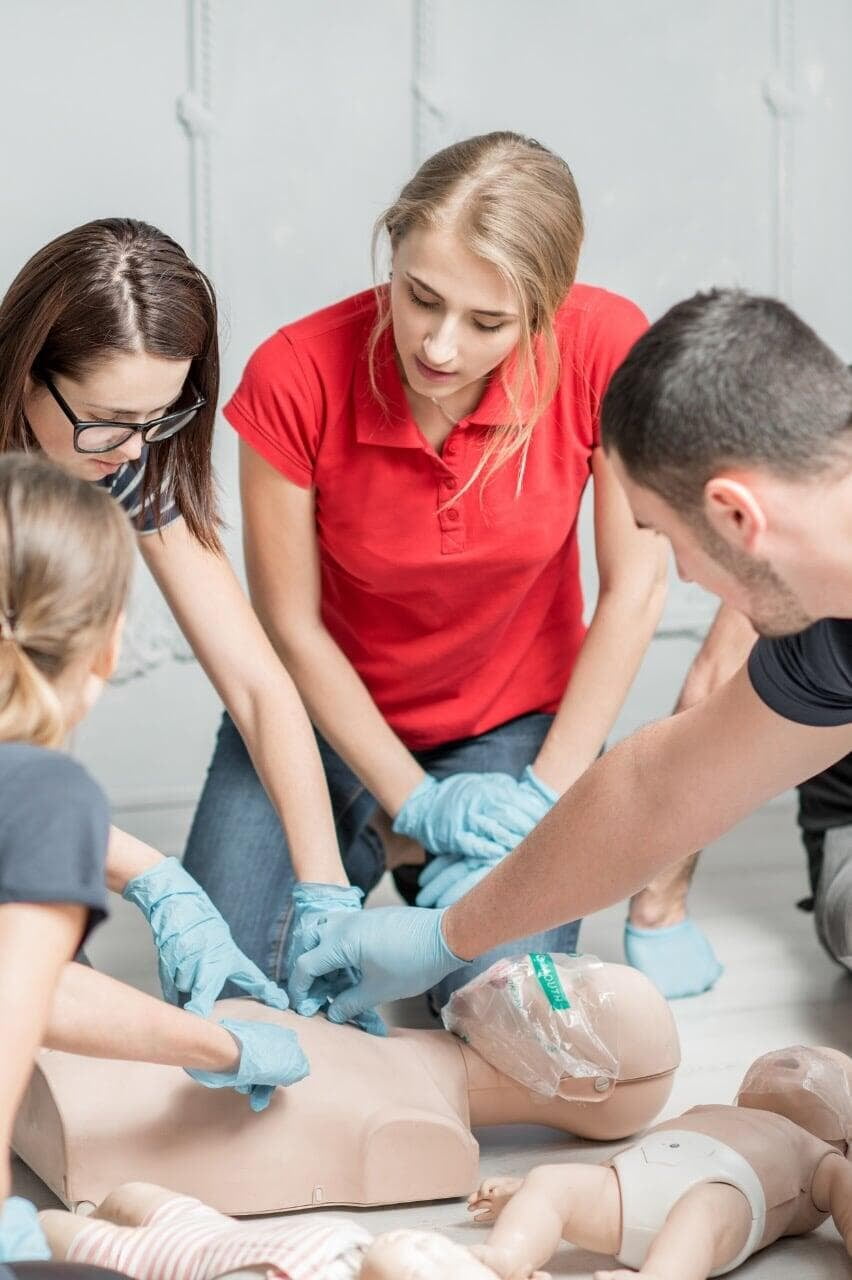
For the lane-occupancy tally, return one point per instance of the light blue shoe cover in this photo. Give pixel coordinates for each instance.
(678, 959)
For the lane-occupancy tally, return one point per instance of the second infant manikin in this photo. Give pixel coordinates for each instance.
(345, 1135)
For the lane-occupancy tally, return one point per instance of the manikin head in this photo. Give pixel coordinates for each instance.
(570, 1026)
(810, 1086)
(66, 556)
(484, 242)
(111, 323)
(730, 427)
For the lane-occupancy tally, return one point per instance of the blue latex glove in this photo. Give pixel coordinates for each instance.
(446, 879)
(269, 1056)
(312, 904)
(508, 816)
(445, 816)
(196, 953)
(21, 1236)
(678, 959)
(398, 951)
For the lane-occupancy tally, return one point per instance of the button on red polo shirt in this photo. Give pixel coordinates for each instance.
(461, 617)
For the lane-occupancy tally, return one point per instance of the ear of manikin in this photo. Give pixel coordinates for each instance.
(735, 511)
(106, 658)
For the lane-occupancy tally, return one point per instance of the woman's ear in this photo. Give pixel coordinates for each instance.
(106, 659)
(734, 511)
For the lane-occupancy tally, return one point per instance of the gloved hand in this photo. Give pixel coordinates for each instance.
(445, 879)
(398, 951)
(678, 959)
(445, 816)
(21, 1236)
(196, 953)
(312, 904)
(509, 815)
(269, 1056)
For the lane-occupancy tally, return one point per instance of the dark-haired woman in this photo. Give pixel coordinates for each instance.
(109, 364)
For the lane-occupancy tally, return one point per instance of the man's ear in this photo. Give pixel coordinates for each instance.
(106, 659)
(735, 512)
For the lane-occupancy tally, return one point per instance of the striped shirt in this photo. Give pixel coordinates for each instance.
(184, 1239)
(126, 487)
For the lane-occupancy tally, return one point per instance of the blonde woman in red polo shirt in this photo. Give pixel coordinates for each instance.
(412, 463)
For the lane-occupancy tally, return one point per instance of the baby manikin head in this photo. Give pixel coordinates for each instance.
(420, 1255)
(810, 1086)
(563, 1025)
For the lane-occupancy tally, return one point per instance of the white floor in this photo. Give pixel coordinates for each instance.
(779, 988)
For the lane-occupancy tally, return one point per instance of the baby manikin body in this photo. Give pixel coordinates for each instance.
(699, 1194)
(378, 1121)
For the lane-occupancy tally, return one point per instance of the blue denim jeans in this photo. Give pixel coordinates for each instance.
(238, 852)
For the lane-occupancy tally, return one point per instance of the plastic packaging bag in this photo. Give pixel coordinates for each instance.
(540, 1018)
(810, 1086)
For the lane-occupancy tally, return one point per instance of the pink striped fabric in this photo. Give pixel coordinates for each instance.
(183, 1239)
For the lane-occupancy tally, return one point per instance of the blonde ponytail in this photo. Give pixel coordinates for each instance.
(66, 557)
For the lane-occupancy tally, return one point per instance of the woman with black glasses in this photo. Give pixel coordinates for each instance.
(109, 364)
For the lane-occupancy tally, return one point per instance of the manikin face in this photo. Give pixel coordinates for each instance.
(129, 387)
(454, 318)
(420, 1255)
(746, 582)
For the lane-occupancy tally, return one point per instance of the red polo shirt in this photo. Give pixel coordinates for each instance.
(457, 619)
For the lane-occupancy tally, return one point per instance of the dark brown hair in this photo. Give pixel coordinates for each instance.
(118, 285)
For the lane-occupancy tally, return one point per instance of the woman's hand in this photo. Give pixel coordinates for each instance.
(312, 905)
(269, 1056)
(195, 950)
(477, 814)
(21, 1236)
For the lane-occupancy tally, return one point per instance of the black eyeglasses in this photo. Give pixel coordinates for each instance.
(101, 437)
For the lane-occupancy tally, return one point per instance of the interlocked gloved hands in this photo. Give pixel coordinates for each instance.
(678, 959)
(21, 1236)
(196, 953)
(398, 951)
(312, 905)
(507, 816)
(446, 816)
(269, 1056)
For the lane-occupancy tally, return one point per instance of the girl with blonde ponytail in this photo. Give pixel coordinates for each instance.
(65, 565)
(413, 461)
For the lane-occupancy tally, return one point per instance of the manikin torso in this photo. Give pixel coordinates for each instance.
(343, 1136)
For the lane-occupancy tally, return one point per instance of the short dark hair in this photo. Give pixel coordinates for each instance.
(725, 378)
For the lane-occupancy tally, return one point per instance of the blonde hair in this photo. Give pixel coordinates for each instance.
(66, 557)
(514, 204)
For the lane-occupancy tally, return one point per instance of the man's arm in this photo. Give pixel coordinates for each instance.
(671, 788)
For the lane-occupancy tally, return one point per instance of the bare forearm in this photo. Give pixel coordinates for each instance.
(94, 1015)
(667, 790)
(127, 858)
(606, 666)
(348, 718)
(280, 740)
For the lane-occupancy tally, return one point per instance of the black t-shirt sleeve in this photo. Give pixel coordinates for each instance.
(54, 831)
(807, 677)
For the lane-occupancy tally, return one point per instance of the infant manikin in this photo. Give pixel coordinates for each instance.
(698, 1194)
(345, 1135)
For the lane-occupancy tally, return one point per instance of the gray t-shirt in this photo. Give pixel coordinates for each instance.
(54, 830)
(807, 677)
(126, 487)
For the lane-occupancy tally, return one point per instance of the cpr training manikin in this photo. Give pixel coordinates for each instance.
(87, 1125)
